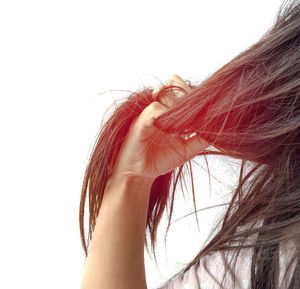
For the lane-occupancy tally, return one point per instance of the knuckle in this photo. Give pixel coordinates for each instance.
(155, 105)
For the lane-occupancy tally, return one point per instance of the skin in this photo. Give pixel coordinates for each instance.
(116, 253)
(147, 151)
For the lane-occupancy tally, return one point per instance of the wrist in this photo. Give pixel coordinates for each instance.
(124, 182)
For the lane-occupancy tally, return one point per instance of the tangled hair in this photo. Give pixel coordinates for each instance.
(249, 109)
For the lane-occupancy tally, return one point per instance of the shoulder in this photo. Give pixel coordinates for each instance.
(188, 280)
(208, 274)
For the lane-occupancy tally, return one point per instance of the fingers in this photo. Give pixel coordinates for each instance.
(191, 147)
(176, 80)
(171, 97)
(153, 111)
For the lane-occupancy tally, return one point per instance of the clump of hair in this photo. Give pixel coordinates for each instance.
(249, 110)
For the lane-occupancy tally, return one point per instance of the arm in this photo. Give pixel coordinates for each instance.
(116, 253)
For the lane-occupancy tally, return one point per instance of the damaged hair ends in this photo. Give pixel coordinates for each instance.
(249, 110)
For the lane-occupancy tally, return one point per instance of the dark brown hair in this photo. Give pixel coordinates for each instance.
(250, 110)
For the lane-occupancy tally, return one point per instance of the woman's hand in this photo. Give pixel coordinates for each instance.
(148, 152)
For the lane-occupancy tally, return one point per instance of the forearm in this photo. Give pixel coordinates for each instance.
(116, 253)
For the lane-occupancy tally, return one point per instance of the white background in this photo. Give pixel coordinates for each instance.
(56, 59)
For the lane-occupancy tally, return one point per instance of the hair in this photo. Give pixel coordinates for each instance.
(249, 109)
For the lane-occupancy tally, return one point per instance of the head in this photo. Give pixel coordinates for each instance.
(249, 110)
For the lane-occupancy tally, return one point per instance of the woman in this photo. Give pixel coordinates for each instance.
(249, 110)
